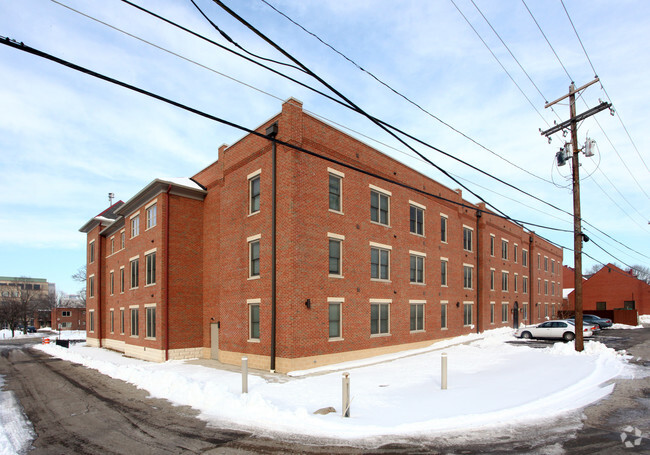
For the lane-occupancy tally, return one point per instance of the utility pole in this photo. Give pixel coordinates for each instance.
(572, 123)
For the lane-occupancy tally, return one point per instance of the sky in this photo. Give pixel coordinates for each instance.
(68, 139)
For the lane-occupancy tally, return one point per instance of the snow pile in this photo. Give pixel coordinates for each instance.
(625, 326)
(6, 334)
(15, 431)
(491, 383)
(644, 319)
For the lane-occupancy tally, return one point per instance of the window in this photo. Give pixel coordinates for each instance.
(492, 311)
(524, 258)
(254, 321)
(504, 281)
(515, 252)
(416, 220)
(111, 282)
(379, 206)
(504, 312)
(552, 287)
(552, 265)
(524, 311)
(151, 268)
(443, 315)
(515, 283)
(443, 272)
(467, 313)
(121, 280)
(504, 249)
(112, 245)
(91, 286)
(524, 285)
(379, 318)
(91, 252)
(443, 228)
(135, 321)
(545, 264)
(135, 273)
(546, 310)
(492, 271)
(66, 314)
(491, 245)
(151, 216)
(545, 287)
(112, 321)
(379, 263)
(467, 276)
(122, 321)
(254, 194)
(600, 306)
(91, 320)
(539, 286)
(335, 247)
(335, 192)
(417, 317)
(254, 258)
(417, 268)
(539, 261)
(122, 239)
(335, 320)
(135, 226)
(151, 321)
(467, 238)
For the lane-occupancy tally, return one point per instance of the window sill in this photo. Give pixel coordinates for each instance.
(254, 340)
(254, 277)
(150, 338)
(380, 224)
(335, 276)
(379, 280)
(444, 241)
(418, 235)
(337, 212)
(418, 331)
(149, 285)
(254, 213)
(444, 328)
(149, 228)
(133, 289)
(134, 336)
(380, 335)
(336, 339)
(418, 284)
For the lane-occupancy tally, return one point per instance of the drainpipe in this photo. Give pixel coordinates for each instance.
(166, 312)
(99, 287)
(272, 132)
(478, 273)
(532, 306)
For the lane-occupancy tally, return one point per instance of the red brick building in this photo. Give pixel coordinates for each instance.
(612, 288)
(68, 318)
(371, 257)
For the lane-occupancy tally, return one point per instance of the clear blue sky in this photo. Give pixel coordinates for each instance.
(67, 140)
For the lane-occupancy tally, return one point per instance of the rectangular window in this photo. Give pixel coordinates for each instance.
(151, 268)
(66, 314)
(443, 228)
(254, 194)
(504, 281)
(379, 319)
(492, 272)
(91, 320)
(335, 193)
(443, 315)
(254, 259)
(443, 272)
(545, 287)
(552, 265)
(552, 287)
(539, 261)
(151, 216)
(122, 239)
(91, 251)
(254, 318)
(524, 258)
(91, 286)
(467, 239)
(467, 276)
(417, 317)
(524, 285)
(600, 306)
(335, 320)
(504, 312)
(491, 245)
(379, 264)
(112, 321)
(492, 311)
(335, 246)
(111, 282)
(515, 283)
(135, 226)
(515, 252)
(467, 313)
(135, 322)
(525, 311)
(539, 286)
(379, 207)
(122, 321)
(504, 249)
(121, 280)
(151, 322)
(417, 269)
(416, 220)
(135, 273)
(545, 264)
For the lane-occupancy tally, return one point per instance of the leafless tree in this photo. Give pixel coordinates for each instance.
(80, 276)
(642, 272)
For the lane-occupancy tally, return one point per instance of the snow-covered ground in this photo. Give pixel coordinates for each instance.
(16, 431)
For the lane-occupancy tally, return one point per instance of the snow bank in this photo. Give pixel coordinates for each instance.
(16, 432)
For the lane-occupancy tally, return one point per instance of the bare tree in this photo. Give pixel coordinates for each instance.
(9, 310)
(80, 276)
(642, 272)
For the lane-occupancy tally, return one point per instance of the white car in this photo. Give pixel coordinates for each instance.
(552, 329)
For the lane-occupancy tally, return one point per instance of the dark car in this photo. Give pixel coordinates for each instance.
(31, 329)
(603, 323)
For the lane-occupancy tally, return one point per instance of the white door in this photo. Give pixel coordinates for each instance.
(214, 341)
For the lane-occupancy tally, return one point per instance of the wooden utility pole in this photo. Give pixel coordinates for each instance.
(572, 123)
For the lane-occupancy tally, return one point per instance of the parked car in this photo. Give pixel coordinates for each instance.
(561, 329)
(593, 327)
(603, 323)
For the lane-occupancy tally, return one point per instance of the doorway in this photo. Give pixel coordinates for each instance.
(214, 341)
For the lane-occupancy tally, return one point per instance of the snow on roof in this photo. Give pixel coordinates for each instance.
(104, 219)
(566, 292)
(182, 181)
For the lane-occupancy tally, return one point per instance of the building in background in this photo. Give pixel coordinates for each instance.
(371, 256)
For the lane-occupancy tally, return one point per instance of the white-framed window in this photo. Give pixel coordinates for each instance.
(112, 244)
(335, 307)
(515, 252)
(539, 261)
(443, 271)
(514, 283)
(122, 321)
(552, 287)
(504, 281)
(66, 314)
(135, 322)
(492, 273)
(443, 228)
(151, 321)
(504, 311)
(379, 262)
(135, 226)
(545, 264)
(417, 267)
(91, 286)
(539, 286)
(151, 211)
(91, 252)
(443, 315)
(335, 190)
(254, 256)
(111, 282)
(135, 272)
(254, 192)
(524, 257)
(524, 284)
(467, 313)
(492, 312)
(335, 254)
(416, 218)
(151, 268)
(91, 320)
(254, 320)
(122, 239)
(492, 244)
(552, 265)
(504, 249)
(112, 320)
(417, 316)
(467, 276)
(467, 238)
(379, 317)
(524, 311)
(122, 280)
(379, 206)
(545, 287)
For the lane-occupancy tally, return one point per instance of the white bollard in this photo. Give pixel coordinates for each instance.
(443, 371)
(346, 394)
(244, 375)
